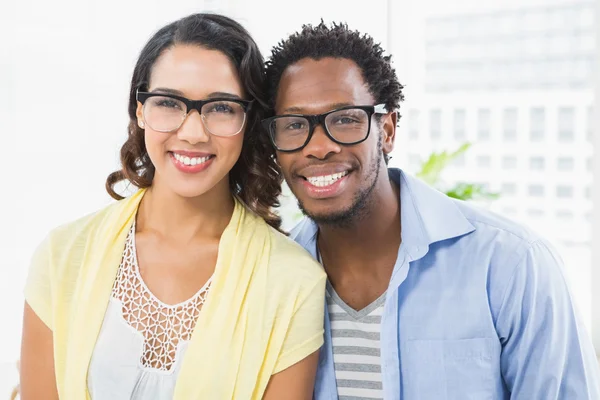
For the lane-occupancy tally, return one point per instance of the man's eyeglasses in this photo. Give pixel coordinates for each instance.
(347, 126)
(166, 112)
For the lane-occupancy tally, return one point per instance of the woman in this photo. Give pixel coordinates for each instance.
(185, 289)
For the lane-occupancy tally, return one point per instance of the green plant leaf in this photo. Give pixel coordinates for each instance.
(471, 191)
(432, 168)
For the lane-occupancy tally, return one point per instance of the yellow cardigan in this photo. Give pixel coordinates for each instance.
(264, 311)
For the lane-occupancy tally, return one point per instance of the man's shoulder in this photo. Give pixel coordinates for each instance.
(504, 245)
(489, 224)
(304, 233)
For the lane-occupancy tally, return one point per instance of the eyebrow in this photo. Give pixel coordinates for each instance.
(167, 90)
(180, 93)
(298, 110)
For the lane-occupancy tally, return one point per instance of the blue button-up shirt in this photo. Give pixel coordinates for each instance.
(477, 308)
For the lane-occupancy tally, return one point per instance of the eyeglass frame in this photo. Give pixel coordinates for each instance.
(315, 120)
(193, 105)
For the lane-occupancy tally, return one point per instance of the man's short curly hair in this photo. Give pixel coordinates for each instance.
(337, 41)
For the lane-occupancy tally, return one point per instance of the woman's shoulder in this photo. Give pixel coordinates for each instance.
(82, 226)
(67, 242)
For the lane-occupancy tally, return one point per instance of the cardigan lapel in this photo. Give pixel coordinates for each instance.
(99, 267)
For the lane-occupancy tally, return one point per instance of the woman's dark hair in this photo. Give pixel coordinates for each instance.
(255, 178)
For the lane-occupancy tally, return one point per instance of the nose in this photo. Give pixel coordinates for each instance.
(320, 145)
(193, 130)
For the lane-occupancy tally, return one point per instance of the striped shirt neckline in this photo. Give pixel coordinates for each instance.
(355, 337)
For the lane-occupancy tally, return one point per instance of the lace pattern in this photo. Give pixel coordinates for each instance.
(162, 326)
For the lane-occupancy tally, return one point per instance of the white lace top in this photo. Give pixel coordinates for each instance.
(142, 341)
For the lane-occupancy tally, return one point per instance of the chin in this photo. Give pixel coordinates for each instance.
(340, 212)
(334, 214)
(189, 191)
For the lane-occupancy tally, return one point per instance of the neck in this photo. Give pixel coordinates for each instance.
(376, 233)
(170, 215)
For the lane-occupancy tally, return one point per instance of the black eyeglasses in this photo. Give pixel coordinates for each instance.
(221, 116)
(346, 126)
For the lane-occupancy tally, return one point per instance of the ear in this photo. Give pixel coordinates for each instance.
(389, 132)
(140, 116)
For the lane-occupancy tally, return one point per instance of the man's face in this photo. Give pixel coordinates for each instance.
(333, 183)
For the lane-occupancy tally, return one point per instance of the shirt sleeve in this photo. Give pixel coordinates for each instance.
(547, 353)
(305, 332)
(38, 290)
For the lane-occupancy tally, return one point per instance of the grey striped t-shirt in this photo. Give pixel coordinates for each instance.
(356, 347)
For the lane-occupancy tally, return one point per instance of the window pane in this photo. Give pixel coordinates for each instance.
(435, 124)
(483, 124)
(536, 190)
(484, 161)
(566, 122)
(460, 124)
(589, 123)
(564, 214)
(508, 189)
(460, 160)
(535, 213)
(509, 124)
(537, 163)
(563, 191)
(537, 124)
(509, 162)
(565, 164)
(413, 124)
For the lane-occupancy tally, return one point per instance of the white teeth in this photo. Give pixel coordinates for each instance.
(191, 161)
(322, 181)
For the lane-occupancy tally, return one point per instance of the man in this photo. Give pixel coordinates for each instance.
(428, 297)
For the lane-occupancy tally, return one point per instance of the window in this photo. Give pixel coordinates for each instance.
(564, 191)
(535, 213)
(460, 160)
(564, 214)
(537, 163)
(509, 124)
(484, 161)
(565, 164)
(435, 124)
(460, 124)
(566, 122)
(589, 124)
(413, 124)
(508, 189)
(509, 162)
(484, 124)
(537, 124)
(536, 190)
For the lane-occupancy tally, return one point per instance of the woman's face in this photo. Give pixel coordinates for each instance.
(190, 160)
